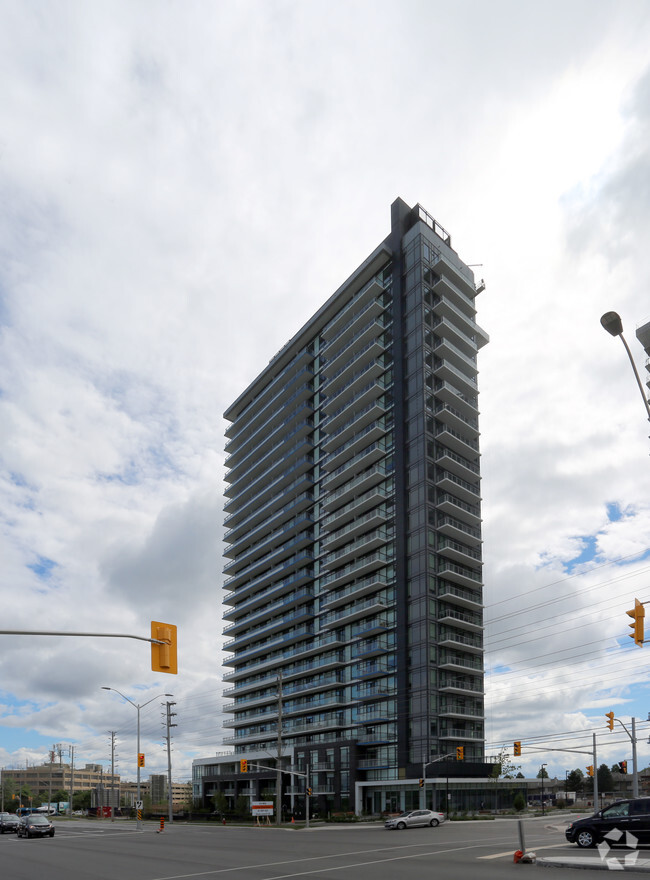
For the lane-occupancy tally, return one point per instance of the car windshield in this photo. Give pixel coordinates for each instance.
(37, 820)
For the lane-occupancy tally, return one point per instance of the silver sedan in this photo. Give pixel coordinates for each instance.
(414, 818)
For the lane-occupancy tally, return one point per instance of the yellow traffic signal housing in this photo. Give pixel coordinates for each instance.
(517, 749)
(637, 614)
(421, 783)
(460, 753)
(590, 770)
(309, 792)
(610, 720)
(164, 658)
(140, 759)
(623, 766)
(243, 766)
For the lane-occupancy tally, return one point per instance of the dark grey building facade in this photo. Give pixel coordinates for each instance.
(353, 588)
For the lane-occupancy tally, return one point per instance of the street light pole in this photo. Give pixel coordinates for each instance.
(542, 772)
(611, 321)
(137, 707)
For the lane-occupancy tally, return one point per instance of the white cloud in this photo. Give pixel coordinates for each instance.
(180, 190)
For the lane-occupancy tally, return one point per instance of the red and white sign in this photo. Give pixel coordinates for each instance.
(262, 808)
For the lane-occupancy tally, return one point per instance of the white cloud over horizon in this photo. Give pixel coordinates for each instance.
(181, 187)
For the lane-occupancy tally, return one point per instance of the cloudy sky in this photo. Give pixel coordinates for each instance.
(182, 184)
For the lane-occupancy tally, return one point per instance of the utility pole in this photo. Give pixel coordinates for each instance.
(71, 777)
(595, 776)
(112, 733)
(170, 715)
(278, 777)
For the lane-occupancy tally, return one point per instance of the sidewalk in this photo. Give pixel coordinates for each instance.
(624, 861)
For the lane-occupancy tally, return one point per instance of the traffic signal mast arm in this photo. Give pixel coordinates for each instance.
(275, 770)
(162, 640)
(24, 632)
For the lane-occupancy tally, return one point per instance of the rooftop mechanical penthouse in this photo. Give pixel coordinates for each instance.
(353, 587)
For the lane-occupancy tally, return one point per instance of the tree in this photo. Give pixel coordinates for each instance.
(575, 780)
(605, 779)
(503, 766)
(219, 803)
(519, 802)
(542, 774)
(242, 806)
(81, 800)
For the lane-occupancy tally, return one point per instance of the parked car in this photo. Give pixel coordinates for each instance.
(621, 816)
(8, 822)
(35, 825)
(414, 818)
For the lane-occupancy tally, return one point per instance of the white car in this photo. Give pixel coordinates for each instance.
(414, 818)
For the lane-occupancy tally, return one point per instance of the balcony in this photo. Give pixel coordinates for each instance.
(447, 351)
(447, 482)
(454, 528)
(459, 552)
(247, 596)
(373, 350)
(367, 296)
(364, 336)
(454, 418)
(470, 513)
(459, 574)
(264, 549)
(451, 331)
(357, 506)
(352, 571)
(354, 382)
(460, 663)
(356, 444)
(246, 620)
(305, 612)
(467, 404)
(357, 420)
(241, 579)
(473, 687)
(364, 586)
(369, 648)
(356, 486)
(461, 710)
(460, 641)
(367, 521)
(460, 441)
(371, 540)
(461, 619)
(470, 599)
(368, 456)
(444, 307)
(353, 612)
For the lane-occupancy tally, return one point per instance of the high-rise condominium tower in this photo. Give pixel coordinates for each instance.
(353, 584)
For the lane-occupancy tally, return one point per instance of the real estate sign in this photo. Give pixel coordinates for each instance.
(262, 808)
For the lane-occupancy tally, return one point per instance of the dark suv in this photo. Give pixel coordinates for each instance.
(621, 816)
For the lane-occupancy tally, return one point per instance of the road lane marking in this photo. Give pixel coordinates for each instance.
(216, 871)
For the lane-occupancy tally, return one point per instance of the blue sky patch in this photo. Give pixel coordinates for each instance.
(43, 567)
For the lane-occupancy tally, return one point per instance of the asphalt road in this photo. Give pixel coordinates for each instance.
(101, 850)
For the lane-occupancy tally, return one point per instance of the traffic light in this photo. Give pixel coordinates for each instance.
(243, 766)
(460, 753)
(590, 770)
(610, 721)
(164, 657)
(421, 783)
(517, 749)
(623, 766)
(309, 792)
(140, 759)
(637, 614)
